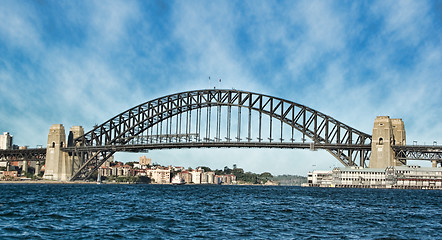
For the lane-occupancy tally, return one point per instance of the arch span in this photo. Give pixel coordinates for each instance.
(219, 118)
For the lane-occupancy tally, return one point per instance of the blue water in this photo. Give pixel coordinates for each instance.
(55, 211)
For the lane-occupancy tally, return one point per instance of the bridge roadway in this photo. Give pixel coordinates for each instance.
(407, 152)
(39, 154)
(175, 145)
(418, 152)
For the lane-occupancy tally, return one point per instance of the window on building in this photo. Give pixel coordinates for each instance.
(381, 141)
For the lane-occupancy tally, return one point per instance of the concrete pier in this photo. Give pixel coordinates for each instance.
(37, 168)
(59, 165)
(386, 133)
(56, 167)
(25, 166)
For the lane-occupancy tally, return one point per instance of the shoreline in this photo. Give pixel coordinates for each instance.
(104, 183)
(43, 182)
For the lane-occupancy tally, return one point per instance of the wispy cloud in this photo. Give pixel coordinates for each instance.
(80, 63)
(19, 27)
(206, 33)
(407, 21)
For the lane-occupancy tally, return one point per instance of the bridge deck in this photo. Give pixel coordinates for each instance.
(30, 154)
(409, 152)
(418, 152)
(174, 145)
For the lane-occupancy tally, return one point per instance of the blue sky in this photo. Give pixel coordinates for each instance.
(83, 62)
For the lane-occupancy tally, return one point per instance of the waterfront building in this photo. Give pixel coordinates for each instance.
(8, 174)
(105, 171)
(415, 176)
(117, 170)
(196, 176)
(208, 178)
(159, 175)
(360, 176)
(229, 179)
(218, 179)
(162, 175)
(5, 141)
(186, 175)
(390, 177)
(225, 179)
(320, 177)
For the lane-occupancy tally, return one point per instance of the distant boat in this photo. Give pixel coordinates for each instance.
(177, 180)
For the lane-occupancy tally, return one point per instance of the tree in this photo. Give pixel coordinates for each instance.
(266, 175)
(206, 169)
(238, 171)
(131, 164)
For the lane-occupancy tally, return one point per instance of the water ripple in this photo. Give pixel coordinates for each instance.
(42, 211)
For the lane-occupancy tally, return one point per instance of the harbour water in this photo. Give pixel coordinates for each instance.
(76, 211)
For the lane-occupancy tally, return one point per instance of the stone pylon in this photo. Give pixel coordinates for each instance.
(58, 165)
(386, 133)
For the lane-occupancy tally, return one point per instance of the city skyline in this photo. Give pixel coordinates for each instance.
(81, 63)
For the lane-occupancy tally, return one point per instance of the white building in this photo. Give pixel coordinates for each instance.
(196, 176)
(390, 177)
(158, 175)
(417, 177)
(5, 141)
(320, 177)
(208, 178)
(360, 176)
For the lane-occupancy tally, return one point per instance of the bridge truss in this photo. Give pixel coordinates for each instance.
(32, 154)
(421, 152)
(218, 118)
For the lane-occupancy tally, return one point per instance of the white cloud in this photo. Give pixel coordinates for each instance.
(110, 22)
(405, 21)
(19, 27)
(207, 34)
(337, 59)
(322, 33)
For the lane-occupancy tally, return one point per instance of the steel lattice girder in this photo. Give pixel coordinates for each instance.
(320, 128)
(418, 152)
(32, 154)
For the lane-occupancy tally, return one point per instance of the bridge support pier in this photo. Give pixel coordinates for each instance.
(37, 168)
(58, 166)
(25, 166)
(386, 133)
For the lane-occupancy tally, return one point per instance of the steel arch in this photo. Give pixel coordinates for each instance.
(347, 144)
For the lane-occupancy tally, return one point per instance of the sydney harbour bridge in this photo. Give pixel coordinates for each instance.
(216, 118)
